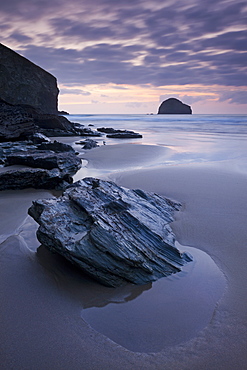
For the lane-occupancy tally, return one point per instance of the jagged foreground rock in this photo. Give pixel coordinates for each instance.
(114, 234)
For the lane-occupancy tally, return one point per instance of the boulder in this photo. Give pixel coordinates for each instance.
(174, 106)
(36, 178)
(23, 82)
(88, 144)
(113, 234)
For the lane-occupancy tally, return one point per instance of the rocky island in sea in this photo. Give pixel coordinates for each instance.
(174, 106)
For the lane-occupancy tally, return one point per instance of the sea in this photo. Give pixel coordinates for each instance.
(193, 138)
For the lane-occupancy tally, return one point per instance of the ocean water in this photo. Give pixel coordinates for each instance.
(192, 138)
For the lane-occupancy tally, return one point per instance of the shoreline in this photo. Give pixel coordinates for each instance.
(212, 219)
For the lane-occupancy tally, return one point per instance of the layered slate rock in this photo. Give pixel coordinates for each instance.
(16, 122)
(19, 122)
(23, 82)
(37, 178)
(174, 106)
(49, 165)
(115, 235)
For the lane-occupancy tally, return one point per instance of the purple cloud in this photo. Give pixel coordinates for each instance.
(132, 42)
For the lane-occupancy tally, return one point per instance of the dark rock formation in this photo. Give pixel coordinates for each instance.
(108, 130)
(87, 131)
(54, 164)
(20, 122)
(125, 135)
(174, 106)
(56, 147)
(16, 122)
(23, 82)
(36, 178)
(87, 144)
(28, 101)
(67, 163)
(115, 235)
(119, 134)
(39, 138)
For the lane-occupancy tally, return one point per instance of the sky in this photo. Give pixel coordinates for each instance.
(127, 56)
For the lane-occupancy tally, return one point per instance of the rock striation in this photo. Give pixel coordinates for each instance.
(48, 165)
(24, 83)
(115, 235)
(174, 106)
(18, 122)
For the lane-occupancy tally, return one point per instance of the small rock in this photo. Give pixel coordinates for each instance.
(88, 144)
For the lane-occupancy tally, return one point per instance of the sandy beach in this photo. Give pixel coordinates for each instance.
(43, 297)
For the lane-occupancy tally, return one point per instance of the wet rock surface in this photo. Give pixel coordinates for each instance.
(36, 178)
(88, 144)
(52, 163)
(119, 134)
(115, 235)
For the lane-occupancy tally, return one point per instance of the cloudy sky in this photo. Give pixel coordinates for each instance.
(126, 56)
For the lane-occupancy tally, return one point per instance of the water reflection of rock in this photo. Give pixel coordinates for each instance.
(81, 288)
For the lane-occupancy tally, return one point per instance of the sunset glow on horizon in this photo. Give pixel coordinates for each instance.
(129, 56)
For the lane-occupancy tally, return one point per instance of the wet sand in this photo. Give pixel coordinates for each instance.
(43, 297)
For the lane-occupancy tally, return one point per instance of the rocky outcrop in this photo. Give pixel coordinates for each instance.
(53, 164)
(36, 178)
(174, 106)
(119, 134)
(20, 122)
(28, 101)
(16, 123)
(113, 234)
(23, 82)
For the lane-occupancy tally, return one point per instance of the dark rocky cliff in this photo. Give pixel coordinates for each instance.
(174, 106)
(23, 82)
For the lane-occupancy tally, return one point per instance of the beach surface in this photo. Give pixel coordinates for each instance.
(47, 310)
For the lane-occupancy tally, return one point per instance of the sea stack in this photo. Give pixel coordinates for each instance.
(24, 83)
(174, 106)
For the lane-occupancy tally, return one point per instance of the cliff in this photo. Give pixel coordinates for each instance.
(24, 83)
(174, 106)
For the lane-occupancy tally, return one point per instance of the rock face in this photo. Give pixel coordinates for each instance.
(15, 122)
(114, 234)
(18, 122)
(23, 82)
(174, 106)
